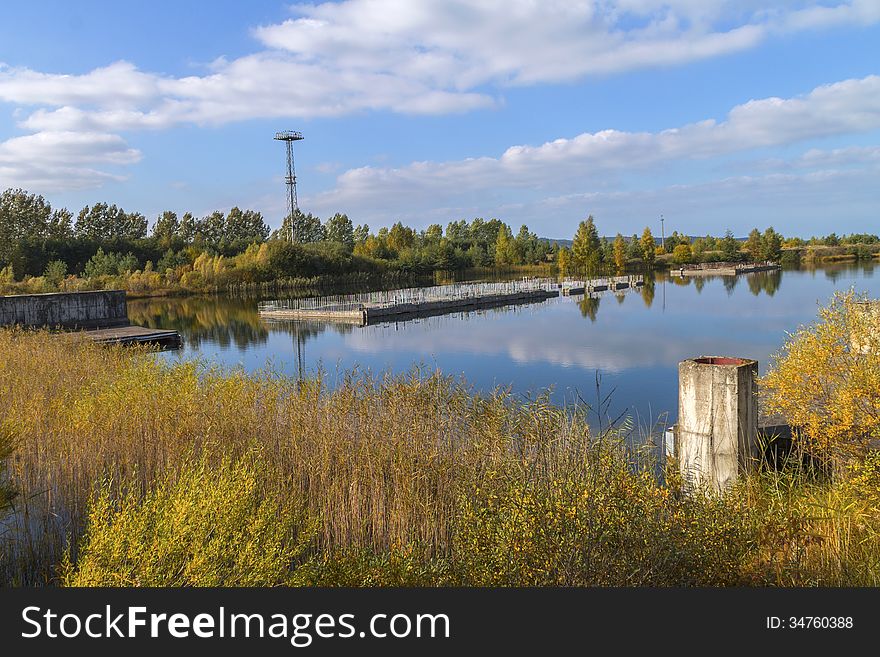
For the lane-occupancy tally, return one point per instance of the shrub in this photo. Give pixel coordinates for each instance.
(201, 526)
(682, 254)
(55, 272)
(824, 380)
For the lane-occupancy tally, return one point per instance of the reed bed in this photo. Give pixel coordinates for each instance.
(128, 471)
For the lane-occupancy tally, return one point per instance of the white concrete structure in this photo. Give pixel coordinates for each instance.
(717, 419)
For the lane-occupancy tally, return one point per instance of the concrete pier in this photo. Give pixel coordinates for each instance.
(102, 316)
(392, 305)
(386, 305)
(717, 432)
(365, 314)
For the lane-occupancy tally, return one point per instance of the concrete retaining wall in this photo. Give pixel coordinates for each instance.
(66, 310)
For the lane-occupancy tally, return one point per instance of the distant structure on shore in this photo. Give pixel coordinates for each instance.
(724, 268)
(288, 137)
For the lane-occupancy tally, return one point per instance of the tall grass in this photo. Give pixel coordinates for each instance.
(374, 480)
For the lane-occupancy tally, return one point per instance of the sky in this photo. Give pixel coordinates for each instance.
(714, 114)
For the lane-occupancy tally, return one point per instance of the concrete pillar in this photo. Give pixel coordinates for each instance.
(717, 419)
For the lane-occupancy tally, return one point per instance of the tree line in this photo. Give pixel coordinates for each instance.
(105, 240)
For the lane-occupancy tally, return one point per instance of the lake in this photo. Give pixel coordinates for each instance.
(630, 342)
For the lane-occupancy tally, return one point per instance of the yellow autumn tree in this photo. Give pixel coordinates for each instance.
(563, 260)
(826, 379)
(619, 254)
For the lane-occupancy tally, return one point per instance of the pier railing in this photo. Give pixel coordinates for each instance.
(342, 303)
(414, 295)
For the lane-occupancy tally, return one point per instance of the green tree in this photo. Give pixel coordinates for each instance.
(60, 224)
(698, 248)
(434, 233)
(341, 230)
(109, 264)
(729, 247)
(772, 245)
(212, 229)
(649, 247)
(402, 237)
(133, 226)
(55, 272)
(188, 228)
(22, 216)
(606, 252)
(457, 231)
(361, 233)
(674, 240)
(478, 256)
(634, 248)
(307, 228)
(103, 222)
(167, 227)
(245, 225)
(526, 246)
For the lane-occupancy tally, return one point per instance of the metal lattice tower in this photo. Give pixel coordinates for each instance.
(288, 137)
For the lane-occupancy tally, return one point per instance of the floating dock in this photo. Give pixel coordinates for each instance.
(131, 334)
(395, 305)
(373, 307)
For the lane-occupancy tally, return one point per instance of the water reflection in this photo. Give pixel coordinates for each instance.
(637, 346)
(589, 305)
(234, 322)
(219, 321)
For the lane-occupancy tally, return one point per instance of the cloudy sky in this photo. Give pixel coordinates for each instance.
(716, 114)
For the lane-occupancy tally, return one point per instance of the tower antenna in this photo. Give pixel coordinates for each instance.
(288, 137)
(662, 234)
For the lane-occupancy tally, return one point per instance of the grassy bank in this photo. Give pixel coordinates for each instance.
(132, 472)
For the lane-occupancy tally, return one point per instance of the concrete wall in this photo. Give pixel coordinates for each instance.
(67, 310)
(717, 419)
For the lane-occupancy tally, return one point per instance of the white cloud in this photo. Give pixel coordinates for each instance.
(433, 56)
(62, 160)
(589, 159)
(444, 56)
(464, 44)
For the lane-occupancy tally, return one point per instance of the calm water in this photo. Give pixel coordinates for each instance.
(634, 341)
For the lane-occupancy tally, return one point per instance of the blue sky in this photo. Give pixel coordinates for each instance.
(716, 114)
